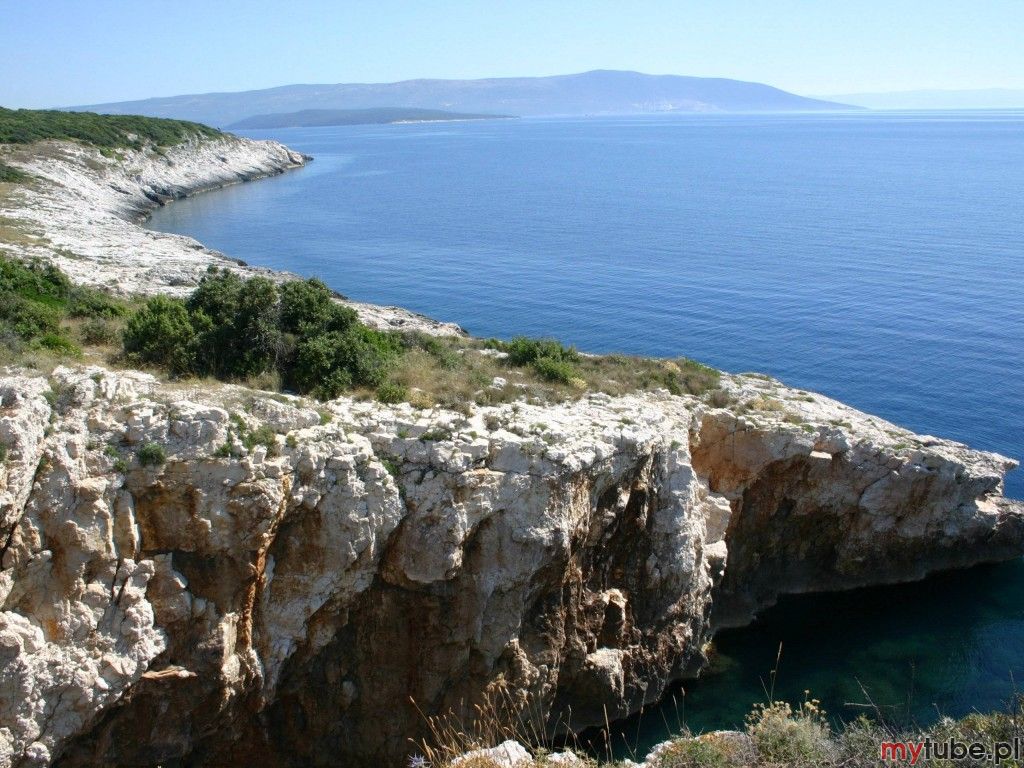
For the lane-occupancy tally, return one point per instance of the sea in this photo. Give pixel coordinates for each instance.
(875, 257)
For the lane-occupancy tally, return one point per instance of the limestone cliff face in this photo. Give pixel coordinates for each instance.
(218, 576)
(282, 601)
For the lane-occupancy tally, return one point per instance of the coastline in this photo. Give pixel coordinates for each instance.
(253, 577)
(85, 209)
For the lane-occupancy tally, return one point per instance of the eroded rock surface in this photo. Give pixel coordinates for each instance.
(280, 602)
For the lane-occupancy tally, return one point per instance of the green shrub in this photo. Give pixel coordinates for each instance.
(161, 333)
(233, 328)
(24, 126)
(3, 453)
(547, 357)
(26, 318)
(33, 300)
(152, 455)
(36, 297)
(390, 392)
(697, 378)
(263, 435)
(236, 323)
(332, 362)
(524, 351)
(550, 369)
(98, 332)
(9, 175)
(35, 280)
(436, 435)
(91, 303)
(308, 306)
(58, 342)
(446, 357)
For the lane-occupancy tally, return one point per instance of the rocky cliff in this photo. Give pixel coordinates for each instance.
(221, 601)
(204, 574)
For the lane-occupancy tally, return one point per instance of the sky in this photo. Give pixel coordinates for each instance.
(73, 52)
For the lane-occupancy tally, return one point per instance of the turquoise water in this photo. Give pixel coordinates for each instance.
(946, 646)
(875, 258)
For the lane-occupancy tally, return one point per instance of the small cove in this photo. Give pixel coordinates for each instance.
(874, 258)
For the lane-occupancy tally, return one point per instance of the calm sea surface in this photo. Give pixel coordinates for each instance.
(878, 259)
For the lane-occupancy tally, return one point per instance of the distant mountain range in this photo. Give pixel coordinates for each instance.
(987, 98)
(308, 118)
(600, 92)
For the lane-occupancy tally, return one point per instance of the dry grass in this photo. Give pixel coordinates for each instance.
(39, 359)
(479, 761)
(503, 715)
(99, 342)
(766, 405)
(17, 233)
(622, 374)
(777, 735)
(457, 373)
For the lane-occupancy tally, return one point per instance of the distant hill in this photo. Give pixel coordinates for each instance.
(987, 98)
(601, 92)
(308, 118)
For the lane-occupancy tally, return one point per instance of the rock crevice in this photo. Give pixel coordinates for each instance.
(306, 602)
(286, 603)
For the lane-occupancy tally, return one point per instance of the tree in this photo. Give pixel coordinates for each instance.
(161, 333)
(307, 306)
(255, 330)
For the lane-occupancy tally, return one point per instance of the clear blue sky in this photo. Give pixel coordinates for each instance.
(65, 52)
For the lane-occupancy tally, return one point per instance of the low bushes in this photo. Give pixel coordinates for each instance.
(547, 357)
(791, 737)
(777, 735)
(152, 455)
(24, 126)
(232, 328)
(37, 300)
(9, 175)
(295, 336)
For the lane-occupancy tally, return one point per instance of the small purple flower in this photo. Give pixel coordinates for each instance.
(418, 761)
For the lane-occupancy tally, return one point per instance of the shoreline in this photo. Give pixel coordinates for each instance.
(574, 549)
(86, 209)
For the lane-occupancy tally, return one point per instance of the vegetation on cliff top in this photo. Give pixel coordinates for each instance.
(24, 126)
(9, 175)
(776, 735)
(237, 329)
(295, 336)
(377, 115)
(40, 309)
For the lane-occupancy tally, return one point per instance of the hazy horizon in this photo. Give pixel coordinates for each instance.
(107, 55)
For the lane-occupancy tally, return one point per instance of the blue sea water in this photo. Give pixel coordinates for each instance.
(875, 257)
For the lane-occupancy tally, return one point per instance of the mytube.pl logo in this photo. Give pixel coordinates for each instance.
(912, 752)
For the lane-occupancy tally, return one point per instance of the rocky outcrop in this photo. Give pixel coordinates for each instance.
(84, 207)
(181, 586)
(211, 575)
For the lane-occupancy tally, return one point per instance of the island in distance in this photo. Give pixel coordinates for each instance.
(601, 92)
(310, 118)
